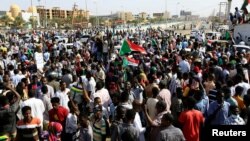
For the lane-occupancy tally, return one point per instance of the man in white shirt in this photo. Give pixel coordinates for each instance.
(90, 83)
(63, 95)
(100, 74)
(103, 94)
(243, 84)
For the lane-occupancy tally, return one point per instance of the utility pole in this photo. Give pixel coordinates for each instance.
(220, 5)
(97, 22)
(220, 10)
(73, 13)
(228, 10)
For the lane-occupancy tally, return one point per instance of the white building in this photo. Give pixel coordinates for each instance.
(27, 16)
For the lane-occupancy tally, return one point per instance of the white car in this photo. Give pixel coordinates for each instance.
(194, 33)
(68, 47)
(242, 48)
(211, 34)
(60, 39)
(84, 38)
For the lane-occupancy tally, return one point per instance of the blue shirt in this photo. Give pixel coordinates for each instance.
(221, 115)
(184, 44)
(24, 58)
(202, 106)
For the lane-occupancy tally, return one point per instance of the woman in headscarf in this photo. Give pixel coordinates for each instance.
(54, 132)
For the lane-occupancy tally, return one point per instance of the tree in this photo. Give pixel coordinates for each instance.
(92, 20)
(18, 22)
(216, 19)
(54, 21)
(33, 22)
(5, 19)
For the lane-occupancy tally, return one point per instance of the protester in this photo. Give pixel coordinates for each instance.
(169, 132)
(29, 127)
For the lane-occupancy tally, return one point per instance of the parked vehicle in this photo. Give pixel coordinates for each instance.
(242, 48)
(84, 38)
(60, 39)
(212, 35)
(194, 33)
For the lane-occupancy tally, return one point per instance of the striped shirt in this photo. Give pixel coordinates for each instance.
(99, 129)
(28, 131)
(212, 95)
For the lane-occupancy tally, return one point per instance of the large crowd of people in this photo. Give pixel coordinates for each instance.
(88, 93)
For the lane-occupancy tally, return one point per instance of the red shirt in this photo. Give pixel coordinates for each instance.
(58, 115)
(191, 121)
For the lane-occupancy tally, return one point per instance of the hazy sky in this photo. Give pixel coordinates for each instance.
(104, 7)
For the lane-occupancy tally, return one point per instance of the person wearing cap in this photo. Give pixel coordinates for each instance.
(168, 131)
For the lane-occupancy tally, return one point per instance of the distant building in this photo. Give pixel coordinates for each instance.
(175, 16)
(167, 15)
(58, 13)
(2, 13)
(144, 15)
(185, 13)
(124, 16)
(15, 11)
(192, 17)
(27, 16)
(158, 15)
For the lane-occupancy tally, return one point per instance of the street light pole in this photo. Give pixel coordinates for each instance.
(31, 2)
(177, 8)
(86, 13)
(166, 13)
(95, 12)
